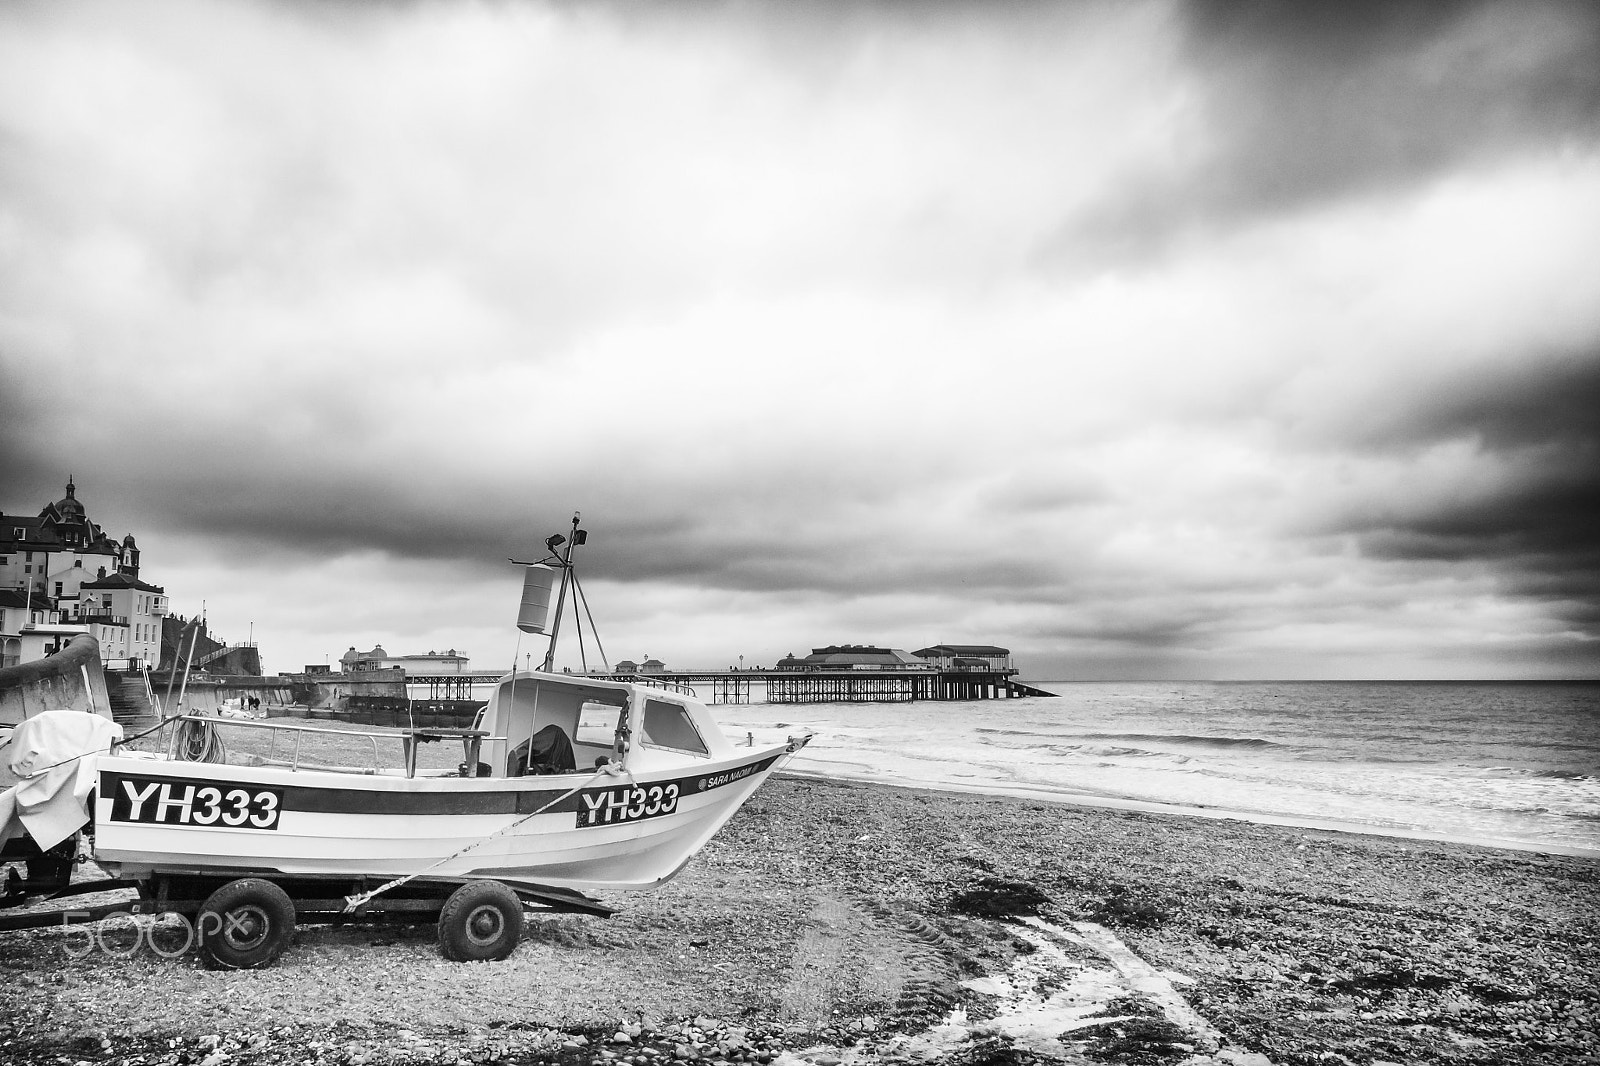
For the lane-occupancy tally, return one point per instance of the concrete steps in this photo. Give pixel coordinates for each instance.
(130, 708)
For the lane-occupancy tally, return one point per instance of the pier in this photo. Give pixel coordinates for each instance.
(789, 686)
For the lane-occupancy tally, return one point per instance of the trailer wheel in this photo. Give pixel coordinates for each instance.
(245, 924)
(480, 922)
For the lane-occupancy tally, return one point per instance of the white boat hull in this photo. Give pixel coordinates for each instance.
(587, 831)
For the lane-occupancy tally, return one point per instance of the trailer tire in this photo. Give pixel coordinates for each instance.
(245, 925)
(480, 922)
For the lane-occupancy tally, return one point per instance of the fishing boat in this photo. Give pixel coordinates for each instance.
(568, 785)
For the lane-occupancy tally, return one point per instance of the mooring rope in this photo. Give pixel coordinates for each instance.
(352, 902)
(196, 740)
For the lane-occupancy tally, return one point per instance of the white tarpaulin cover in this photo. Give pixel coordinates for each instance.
(51, 798)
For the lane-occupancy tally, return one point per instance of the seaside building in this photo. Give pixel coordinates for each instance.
(966, 657)
(124, 614)
(433, 663)
(649, 666)
(52, 552)
(858, 657)
(37, 642)
(70, 577)
(22, 619)
(354, 661)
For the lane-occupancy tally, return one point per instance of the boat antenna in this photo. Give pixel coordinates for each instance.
(560, 558)
(553, 542)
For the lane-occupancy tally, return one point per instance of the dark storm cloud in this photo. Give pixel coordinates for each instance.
(790, 527)
(1537, 523)
(1295, 104)
(1544, 403)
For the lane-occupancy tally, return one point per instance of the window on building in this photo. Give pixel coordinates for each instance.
(78, 563)
(58, 588)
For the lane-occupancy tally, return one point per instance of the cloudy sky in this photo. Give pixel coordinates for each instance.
(1149, 340)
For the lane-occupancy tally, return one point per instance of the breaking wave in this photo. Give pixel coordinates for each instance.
(1185, 739)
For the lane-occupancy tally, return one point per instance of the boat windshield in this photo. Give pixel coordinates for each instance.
(668, 725)
(597, 723)
(588, 715)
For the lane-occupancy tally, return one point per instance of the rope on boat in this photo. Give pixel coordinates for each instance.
(196, 740)
(353, 902)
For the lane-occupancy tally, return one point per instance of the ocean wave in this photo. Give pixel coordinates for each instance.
(1184, 739)
(1574, 776)
(1118, 751)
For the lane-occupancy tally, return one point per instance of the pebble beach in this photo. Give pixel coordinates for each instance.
(837, 922)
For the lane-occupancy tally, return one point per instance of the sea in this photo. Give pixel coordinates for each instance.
(1509, 764)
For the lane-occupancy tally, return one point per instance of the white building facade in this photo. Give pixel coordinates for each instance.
(124, 614)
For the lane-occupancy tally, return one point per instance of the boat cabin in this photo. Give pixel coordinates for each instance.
(559, 724)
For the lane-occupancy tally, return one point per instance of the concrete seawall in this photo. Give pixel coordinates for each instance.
(71, 679)
(206, 692)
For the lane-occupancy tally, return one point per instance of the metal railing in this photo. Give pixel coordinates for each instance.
(406, 737)
(679, 687)
(102, 617)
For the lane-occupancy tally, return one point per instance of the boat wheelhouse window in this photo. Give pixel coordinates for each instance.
(597, 723)
(667, 725)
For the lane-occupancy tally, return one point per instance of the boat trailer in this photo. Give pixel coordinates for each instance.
(244, 919)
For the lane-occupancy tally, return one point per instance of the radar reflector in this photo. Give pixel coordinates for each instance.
(533, 616)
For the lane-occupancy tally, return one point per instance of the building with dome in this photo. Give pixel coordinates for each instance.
(62, 547)
(433, 663)
(64, 563)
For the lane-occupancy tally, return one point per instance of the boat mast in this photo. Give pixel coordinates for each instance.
(553, 542)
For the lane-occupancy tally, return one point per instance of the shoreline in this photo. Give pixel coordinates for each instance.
(1287, 755)
(1333, 825)
(835, 921)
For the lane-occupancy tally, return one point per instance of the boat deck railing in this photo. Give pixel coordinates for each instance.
(668, 684)
(410, 740)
